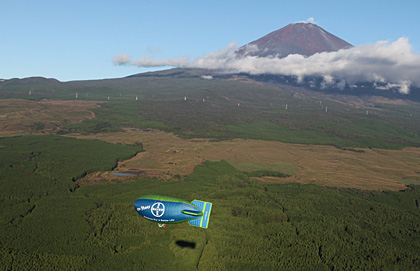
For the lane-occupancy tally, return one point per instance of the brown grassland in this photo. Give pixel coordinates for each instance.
(17, 115)
(169, 157)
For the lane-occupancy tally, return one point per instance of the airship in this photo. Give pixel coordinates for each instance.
(167, 210)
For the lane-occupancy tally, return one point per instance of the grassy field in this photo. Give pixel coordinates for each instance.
(50, 224)
(167, 156)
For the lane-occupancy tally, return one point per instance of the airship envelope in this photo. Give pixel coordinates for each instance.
(168, 210)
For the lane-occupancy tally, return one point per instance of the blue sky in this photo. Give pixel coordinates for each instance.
(77, 40)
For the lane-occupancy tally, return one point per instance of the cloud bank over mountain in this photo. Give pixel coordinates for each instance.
(392, 64)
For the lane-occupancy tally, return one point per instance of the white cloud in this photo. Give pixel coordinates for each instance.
(121, 59)
(151, 62)
(393, 64)
(384, 61)
(310, 20)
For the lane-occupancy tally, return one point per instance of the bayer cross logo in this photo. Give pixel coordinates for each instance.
(158, 209)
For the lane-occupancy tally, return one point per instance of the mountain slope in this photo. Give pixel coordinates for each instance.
(300, 38)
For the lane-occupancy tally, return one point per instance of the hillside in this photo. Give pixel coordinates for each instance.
(230, 106)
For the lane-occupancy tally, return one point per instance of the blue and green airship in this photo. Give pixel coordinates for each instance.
(168, 210)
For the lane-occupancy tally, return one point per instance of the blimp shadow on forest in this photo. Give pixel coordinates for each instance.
(168, 210)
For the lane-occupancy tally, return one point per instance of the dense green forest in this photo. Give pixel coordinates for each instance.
(48, 223)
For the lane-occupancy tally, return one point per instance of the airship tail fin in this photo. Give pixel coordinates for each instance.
(202, 221)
